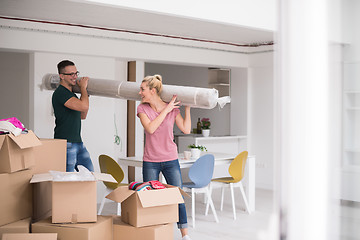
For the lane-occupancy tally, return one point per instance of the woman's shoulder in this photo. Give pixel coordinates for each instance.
(143, 106)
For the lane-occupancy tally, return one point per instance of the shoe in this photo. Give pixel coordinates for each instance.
(186, 237)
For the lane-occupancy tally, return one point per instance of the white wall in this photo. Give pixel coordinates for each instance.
(351, 127)
(14, 86)
(261, 117)
(239, 102)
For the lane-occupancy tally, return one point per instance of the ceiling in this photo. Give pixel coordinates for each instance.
(87, 13)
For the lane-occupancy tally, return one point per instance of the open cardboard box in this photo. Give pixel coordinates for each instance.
(73, 201)
(50, 156)
(17, 153)
(147, 208)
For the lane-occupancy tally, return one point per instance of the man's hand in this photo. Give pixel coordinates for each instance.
(83, 82)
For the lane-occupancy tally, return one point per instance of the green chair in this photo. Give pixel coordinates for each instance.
(236, 171)
(110, 166)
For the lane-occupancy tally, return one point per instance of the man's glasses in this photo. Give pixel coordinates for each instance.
(72, 74)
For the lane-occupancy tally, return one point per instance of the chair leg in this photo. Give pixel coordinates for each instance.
(233, 199)
(211, 204)
(102, 203)
(193, 206)
(118, 212)
(244, 197)
(207, 200)
(222, 197)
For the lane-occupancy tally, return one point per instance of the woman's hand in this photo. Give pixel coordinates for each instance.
(172, 104)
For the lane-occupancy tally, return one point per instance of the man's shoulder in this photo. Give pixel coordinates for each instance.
(62, 94)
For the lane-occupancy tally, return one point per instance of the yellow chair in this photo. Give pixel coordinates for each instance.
(110, 166)
(236, 171)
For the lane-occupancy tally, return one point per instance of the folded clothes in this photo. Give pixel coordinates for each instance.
(143, 186)
(12, 125)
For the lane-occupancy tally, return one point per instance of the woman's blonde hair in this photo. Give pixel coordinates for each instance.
(154, 82)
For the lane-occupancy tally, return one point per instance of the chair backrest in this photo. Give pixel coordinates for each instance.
(237, 166)
(201, 172)
(110, 166)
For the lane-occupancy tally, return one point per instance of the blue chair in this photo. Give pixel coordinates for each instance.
(200, 174)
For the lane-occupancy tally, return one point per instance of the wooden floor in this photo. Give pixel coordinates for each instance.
(244, 227)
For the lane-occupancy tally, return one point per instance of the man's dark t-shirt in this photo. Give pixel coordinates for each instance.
(67, 121)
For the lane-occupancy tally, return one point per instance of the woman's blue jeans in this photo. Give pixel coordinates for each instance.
(172, 174)
(77, 154)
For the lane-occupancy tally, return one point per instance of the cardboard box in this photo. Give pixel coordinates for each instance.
(51, 155)
(73, 201)
(147, 208)
(42, 200)
(22, 226)
(30, 236)
(128, 232)
(16, 196)
(17, 153)
(102, 229)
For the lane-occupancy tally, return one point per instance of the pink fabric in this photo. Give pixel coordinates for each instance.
(16, 122)
(159, 146)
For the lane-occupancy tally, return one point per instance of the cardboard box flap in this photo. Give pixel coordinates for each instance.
(160, 197)
(26, 140)
(41, 177)
(185, 194)
(45, 177)
(120, 194)
(105, 177)
(29, 236)
(2, 139)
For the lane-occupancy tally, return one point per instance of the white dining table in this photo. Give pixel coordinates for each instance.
(220, 159)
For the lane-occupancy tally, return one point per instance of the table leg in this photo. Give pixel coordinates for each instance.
(250, 183)
(131, 174)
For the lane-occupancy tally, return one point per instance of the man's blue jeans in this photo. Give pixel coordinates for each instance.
(172, 174)
(77, 155)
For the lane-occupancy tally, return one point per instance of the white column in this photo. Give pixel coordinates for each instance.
(302, 119)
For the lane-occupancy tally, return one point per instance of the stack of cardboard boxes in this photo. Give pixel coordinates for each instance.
(20, 158)
(30, 197)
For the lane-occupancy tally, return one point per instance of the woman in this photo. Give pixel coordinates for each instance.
(160, 153)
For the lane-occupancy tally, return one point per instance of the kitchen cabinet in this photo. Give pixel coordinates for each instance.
(220, 80)
(219, 144)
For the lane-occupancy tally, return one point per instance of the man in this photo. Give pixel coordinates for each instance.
(69, 110)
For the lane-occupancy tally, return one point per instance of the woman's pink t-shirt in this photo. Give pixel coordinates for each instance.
(159, 146)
